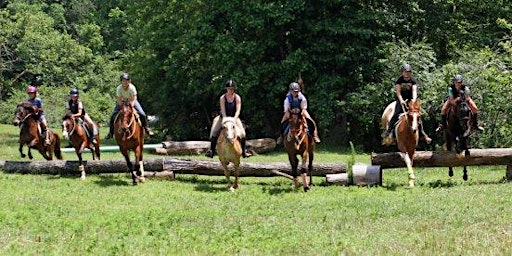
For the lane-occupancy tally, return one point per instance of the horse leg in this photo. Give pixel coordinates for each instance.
(465, 175)
(21, 151)
(227, 174)
(310, 167)
(237, 174)
(410, 170)
(81, 167)
(294, 162)
(130, 166)
(139, 165)
(304, 172)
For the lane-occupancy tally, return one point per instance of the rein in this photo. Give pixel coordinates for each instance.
(132, 131)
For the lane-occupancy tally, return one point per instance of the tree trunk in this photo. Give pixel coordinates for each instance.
(490, 156)
(158, 165)
(199, 147)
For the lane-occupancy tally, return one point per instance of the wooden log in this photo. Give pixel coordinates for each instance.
(489, 156)
(158, 165)
(199, 147)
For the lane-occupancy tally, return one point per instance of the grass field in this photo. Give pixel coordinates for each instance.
(196, 215)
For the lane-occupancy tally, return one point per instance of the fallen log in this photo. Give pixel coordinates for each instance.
(489, 156)
(177, 166)
(199, 147)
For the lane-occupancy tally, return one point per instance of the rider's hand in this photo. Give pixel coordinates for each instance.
(403, 102)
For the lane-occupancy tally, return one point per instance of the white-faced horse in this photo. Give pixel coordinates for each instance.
(229, 150)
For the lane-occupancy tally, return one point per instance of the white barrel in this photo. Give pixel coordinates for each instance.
(366, 175)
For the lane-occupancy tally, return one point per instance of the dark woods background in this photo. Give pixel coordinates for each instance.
(180, 53)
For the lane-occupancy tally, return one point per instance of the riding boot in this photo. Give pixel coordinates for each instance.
(46, 137)
(245, 153)
(213, 144)
(443, 123)
(144, 121)
(111, 127)
(93, 134)
(475, 123)
(391, 125)
(426, 138)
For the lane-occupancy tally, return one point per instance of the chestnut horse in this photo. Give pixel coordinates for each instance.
(297, 142)
(406, 133)
(74, 130)
(30, 133)
(458, 131)
(130, 136)
(229, 150)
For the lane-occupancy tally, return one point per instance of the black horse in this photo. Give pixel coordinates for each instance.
(458, 131)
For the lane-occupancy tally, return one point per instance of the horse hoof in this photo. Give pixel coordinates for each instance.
(142, 179)
(306, 189)
(231, 189)
(465, 177)
(23, 155)
(82, 178)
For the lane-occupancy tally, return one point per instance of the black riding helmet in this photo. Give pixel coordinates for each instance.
(125, 76)
(73, 91)
(230, 83)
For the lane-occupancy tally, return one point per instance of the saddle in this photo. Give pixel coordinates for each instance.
(88, 130)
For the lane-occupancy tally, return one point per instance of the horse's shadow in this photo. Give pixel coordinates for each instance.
(203, 185)
(111, 180)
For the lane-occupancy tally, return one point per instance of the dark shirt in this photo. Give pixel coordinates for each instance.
(230, 106)
(406, 87)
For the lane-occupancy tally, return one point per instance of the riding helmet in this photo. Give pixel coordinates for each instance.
(457, 78)
(230, 83)
(295, 87)
(125, 76)
(406, 67)
(73, 92)
(31, 89)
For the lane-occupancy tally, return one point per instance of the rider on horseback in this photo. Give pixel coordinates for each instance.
(37, 103)
(406, 88)
(126, 92)
(454, 96)
(295, 99)
(76, 109)
(230, 106)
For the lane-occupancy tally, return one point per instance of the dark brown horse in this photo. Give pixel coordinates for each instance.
(458, 131)
(229, 150)
(74, 130)
(130, 136)
(407, 136)
(297, 142)
(30, 133)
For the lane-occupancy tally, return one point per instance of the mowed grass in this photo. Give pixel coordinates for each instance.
(196, 215)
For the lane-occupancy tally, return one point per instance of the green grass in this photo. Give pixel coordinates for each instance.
(196, 215)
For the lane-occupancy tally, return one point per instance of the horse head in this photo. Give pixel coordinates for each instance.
(126, 117)
(297, 124)
(229, 129)
(23, 110)
(68, 126)
(414, 114)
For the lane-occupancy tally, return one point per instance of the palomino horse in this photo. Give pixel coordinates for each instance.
(406, 132)
(130, 136)
(229, 150)
(298, 142)
(74, 130)
(458, 131)
(30, 134)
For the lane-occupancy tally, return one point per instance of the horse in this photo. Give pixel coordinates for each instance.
(129, 135)
(229, 150)
(298, 143)
(458, 131)
(74, 130)
(30, 133)
(406, 132)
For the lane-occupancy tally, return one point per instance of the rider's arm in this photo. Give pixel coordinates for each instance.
(238, 104)
(80, 108)
(414, 92)
(222, 104)
(399, 93)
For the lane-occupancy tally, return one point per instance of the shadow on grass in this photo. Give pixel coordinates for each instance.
(111, 180)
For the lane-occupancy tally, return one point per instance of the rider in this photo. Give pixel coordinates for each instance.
(126, 92)
(76, 109)
(295, 99)
(454, 96)
(37, 103)
(230, 106)
(406, 88)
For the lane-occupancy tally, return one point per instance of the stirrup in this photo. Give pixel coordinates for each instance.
(246, 154)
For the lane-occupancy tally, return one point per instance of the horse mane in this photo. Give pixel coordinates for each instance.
(27, 105)
(67, 117)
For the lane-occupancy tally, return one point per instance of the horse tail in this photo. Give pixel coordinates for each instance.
(58, 152)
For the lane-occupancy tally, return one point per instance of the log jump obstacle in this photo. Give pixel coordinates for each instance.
(477, 157)
(159, 167)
